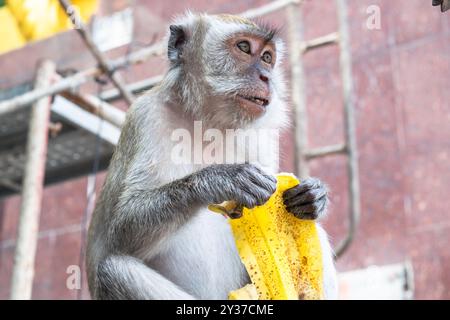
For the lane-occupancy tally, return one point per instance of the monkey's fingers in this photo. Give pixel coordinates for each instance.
(227, 208)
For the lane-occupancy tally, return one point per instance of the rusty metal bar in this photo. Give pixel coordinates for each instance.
(320, 42)
(350, 126)
(30, 97)
(139, 86)
(140, 56)
(85, 120)
(32, 189)
(326, 151)
(97, 107)
(102, 61)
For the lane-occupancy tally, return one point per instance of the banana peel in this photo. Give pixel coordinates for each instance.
(282, 254)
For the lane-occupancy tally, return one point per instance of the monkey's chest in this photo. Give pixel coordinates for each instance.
(202, 258)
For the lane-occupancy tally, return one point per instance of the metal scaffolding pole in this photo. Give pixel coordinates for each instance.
(298, 96)
(350, 125)
(23, 272)
(303, 155)
(96, 106)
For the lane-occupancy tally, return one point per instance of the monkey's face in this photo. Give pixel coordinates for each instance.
(243, 72)
(230, 68)
(254, 60)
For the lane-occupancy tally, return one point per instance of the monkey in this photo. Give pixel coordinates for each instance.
(151, 235)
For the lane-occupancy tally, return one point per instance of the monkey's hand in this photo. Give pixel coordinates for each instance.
(246, 184)
(307, 200)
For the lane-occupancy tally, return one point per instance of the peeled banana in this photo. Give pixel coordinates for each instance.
(281, 253)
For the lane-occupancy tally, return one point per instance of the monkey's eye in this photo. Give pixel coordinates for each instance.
(267, 57)
(244, 46)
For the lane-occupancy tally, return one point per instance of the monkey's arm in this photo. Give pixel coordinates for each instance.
(145, 215)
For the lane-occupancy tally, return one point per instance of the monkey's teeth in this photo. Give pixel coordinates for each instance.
(258, 101)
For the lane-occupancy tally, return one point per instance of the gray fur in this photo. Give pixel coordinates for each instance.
(151, 236)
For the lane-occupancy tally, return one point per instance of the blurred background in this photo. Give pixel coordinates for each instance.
(390, 64)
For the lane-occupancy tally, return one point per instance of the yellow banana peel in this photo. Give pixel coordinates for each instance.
(281, 253)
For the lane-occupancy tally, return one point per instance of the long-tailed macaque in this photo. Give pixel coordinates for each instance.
(151, 235)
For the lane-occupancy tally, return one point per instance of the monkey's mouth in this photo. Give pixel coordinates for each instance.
(258, 100)
(255, 105)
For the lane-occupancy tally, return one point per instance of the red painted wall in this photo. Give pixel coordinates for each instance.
(401, 75)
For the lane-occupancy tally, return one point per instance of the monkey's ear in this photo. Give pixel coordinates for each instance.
(177, 41)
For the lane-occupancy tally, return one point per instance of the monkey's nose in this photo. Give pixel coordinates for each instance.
(264, 78)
